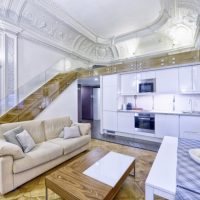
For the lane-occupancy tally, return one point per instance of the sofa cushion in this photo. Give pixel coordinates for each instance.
(35, 129)
(9, 149)
(42, 153)
(53, 127)
(71, 144)
(71, 132)
(85, 128)
(10, 135)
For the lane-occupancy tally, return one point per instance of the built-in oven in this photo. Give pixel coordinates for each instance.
(145, 122)
(147, 85)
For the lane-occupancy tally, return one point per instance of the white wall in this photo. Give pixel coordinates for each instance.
(65, 104)
(34, 58)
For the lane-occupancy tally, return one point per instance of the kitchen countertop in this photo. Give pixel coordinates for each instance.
(163, 112)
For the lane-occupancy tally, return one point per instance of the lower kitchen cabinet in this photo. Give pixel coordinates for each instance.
(126, 122)
(166, 125)
(190, 127)
(110, 120)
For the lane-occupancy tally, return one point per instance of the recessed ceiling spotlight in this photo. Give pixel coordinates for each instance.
(96, 79)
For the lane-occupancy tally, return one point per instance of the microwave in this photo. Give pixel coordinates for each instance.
(148, 85)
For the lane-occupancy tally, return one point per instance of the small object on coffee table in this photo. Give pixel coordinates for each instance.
(82, 180)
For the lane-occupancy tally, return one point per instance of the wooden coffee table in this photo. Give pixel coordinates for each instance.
(97, 175)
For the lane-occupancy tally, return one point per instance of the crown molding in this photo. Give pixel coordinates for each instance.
(5, 26)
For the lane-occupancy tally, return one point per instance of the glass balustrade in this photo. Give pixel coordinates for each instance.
(18, 97)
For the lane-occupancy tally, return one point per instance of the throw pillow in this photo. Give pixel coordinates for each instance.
(26, 141)
(71, 132)
(9, 149)
(10, 136)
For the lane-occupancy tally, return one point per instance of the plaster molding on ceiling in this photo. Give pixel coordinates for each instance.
(7, 27)
(36, 38)
(162, 19)
(192, 4)
(51, 7)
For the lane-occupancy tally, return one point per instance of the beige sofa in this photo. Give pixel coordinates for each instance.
(49, 152)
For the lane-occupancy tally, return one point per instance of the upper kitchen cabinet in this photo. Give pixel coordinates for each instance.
(185, 79)
(167, 81)
(128, 84)
(110, 80)
(146, 75)
(196, 76)
(189, 79)
(109, 92)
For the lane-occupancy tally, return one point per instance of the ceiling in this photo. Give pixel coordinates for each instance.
(111, 18)
(107, 31)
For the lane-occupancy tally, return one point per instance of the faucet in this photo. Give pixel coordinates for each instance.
(191, 107)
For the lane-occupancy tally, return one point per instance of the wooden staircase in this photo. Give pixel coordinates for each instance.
(35, 103)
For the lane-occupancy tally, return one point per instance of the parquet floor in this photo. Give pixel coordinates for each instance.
(132, 189)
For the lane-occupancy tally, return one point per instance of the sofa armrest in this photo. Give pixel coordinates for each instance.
(85, 128)
(6, 174)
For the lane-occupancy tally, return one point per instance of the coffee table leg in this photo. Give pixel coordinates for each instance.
(46, 193)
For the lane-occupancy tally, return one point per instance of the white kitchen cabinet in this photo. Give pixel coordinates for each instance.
(166, 125)
(167, 81)
(110, 92)
(146, 75)
(126, 122)
(190, 127)
(185, 79)
(110, 80)
(110, 98)
(128, 83)
(109, 120)
(196, 76)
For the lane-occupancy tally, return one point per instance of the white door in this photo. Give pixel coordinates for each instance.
(166, 125)
(167, 81)
(128, 83)
(185, 79)
(126, 122)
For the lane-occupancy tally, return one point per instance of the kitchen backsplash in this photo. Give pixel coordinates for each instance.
(164, 102)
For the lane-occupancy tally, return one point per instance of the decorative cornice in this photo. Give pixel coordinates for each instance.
(5, 26)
